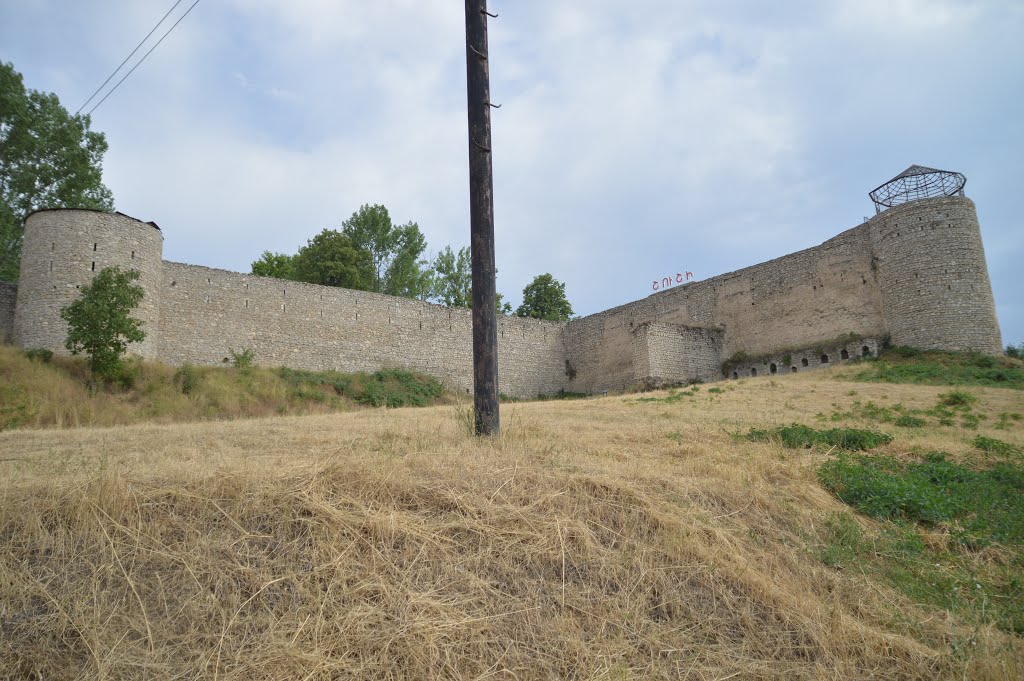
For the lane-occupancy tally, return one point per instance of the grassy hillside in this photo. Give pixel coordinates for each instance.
(39, 390)
(692, 534)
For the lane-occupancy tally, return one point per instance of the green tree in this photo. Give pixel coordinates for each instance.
(453, 278)
(397, 267)
(544, 298)
(48, 159)
(452, 282)
(100, 322)
(278, 265)
(331, 259)
(503, 307)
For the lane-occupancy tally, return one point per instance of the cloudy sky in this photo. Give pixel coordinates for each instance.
(635, 140)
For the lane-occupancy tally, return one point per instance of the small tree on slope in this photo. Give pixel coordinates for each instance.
(100, 322)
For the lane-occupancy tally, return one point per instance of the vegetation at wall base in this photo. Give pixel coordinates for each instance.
(385, 388)
(39, 389)
(936, 367)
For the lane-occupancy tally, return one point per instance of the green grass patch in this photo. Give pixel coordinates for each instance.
(385, 388)
(980, 506)
(895, 554)
(933, 367)
(563, 395)
(40, 390)
(910, 421)
(16, 408)
(976, 509)
(957, 399)
(674, 396)
(995, 447)
(796, 436)
(949, 406)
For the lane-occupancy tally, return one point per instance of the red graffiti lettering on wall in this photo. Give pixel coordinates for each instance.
(670, 281)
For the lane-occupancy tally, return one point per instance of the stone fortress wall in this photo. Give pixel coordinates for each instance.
(915, 273)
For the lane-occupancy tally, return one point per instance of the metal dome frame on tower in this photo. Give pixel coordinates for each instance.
(917, 182)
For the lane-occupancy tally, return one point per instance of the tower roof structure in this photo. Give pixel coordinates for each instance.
(915, 183)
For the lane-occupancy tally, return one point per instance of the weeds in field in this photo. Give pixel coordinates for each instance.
(950, 406)
(991, 445)
(975, 517)
(797, 436)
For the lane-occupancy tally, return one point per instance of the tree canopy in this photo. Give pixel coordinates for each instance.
(452, 281)
(48, 159)
(332, 259)
(277, 265)
(453, 278)
(395, 252)
(100, 322)
(370, 253)
(544, 298)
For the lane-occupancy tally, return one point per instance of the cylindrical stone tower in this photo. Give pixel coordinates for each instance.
(62, 251)
(931, 270)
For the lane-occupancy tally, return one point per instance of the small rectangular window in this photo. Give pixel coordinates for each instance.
(94, 266)
(94, 247)
(133, 255)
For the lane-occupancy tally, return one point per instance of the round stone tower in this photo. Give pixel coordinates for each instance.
(62, 251)
(930, 264)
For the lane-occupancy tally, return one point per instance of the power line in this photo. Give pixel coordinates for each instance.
(114, 73)
(139, 63)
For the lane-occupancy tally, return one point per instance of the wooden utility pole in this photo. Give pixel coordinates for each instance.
(481, 222)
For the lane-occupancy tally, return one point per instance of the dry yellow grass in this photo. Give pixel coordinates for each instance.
(605, 538)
